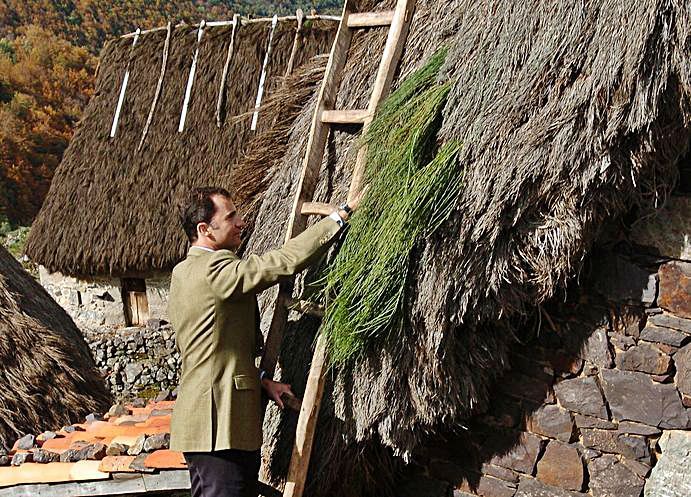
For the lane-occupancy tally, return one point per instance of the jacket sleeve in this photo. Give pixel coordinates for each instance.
(230, 277)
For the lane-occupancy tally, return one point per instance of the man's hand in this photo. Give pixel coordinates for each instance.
(275, 389)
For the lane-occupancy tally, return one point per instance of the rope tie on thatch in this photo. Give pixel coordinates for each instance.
(123, 87)
(159, 85)
(190, 78)
(221, 91)
(262, 78)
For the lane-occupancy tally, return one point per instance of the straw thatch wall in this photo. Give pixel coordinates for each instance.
(110, 209)
(566, 123)
(47, 375)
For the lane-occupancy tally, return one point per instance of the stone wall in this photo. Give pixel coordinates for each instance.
(598, 401)
(98, 301)
(136, 361)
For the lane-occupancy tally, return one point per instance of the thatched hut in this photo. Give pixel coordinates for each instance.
(572, 116)
(107, 235)
(48, 375)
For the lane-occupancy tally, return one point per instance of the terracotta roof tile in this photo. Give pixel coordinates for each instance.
(165, 459)
(123, 429)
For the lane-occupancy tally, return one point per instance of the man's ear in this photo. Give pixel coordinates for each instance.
(202, 230)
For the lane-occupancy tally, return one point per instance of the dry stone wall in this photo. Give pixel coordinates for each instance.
(136, 361)
(598, 404)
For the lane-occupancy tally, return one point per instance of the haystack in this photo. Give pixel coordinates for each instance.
(48, 377)
(569, 115)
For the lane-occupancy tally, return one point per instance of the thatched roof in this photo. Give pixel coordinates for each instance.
(47, 375)
(110, 209)
(570, 115)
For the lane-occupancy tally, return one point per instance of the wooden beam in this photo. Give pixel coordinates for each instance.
(300, 16)
(398, 33)
(316, 209)
(370, 19)
(353, 116)
(309, 414)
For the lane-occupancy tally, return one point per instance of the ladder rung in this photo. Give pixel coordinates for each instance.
(353, 116)
(316, 209)
(305, 307)
(370, 19)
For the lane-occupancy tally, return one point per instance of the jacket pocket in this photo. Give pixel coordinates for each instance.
(244, 382)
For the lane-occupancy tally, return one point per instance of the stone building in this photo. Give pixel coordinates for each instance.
(139, 145)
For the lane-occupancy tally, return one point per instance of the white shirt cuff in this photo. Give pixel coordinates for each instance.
(336, 217)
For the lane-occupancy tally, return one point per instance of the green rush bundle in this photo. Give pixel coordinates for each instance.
(412, 188)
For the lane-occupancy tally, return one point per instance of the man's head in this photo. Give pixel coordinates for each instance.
(210, 219)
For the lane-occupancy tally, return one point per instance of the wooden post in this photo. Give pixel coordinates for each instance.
(300, 17)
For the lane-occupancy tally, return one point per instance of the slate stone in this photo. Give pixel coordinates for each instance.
(552, 421)
(667, 336)
(163, 395)
(631, 428)
(26, 442)
(116, 449)
(154, 324)
(22, 457)
(138, 464)
(596, 349)
(611, 478)
(157, 442)
(118, 410)
(581, 395)
(47, 435)
(675, 288)
(591, 422)
(649, 293)
(530, 487)
(634, 447)
(602, 440)
(524, 387)
(499, 472)
(161, 412)
(523, 456)
(636, 397)
(92, 452)
(671, 476)
(669, 321)
(5, 460)
(682, 361)
(495, 487)
(645, 357)
(138, 402)
(623, 342)
(70, 455)
(72, 428)
(45, 456)
(561, 466)
(639, 468)
(137, 447)
(132, 371)
(94, 416)
(620, 280)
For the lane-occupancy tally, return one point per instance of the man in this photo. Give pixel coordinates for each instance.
(216, 422)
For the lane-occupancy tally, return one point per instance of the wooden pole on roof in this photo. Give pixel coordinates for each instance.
(123, 87)
(159, 86)
(262, 78)
(221, 90)
(300, 16)
(190, 79)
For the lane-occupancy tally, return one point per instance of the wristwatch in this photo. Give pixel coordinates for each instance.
(346, 208)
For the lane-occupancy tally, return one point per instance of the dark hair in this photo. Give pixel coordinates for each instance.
(197, 207)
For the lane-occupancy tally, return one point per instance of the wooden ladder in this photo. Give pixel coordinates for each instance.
(398, 21)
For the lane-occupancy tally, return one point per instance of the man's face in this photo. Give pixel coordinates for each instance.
(226, 224)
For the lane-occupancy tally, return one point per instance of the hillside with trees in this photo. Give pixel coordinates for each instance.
(48, 57)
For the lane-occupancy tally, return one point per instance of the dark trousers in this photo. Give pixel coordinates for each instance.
(223, 473)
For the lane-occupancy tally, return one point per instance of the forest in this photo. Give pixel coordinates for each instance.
(48, 57)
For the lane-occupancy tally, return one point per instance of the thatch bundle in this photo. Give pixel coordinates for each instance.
(569, 115)
(47, 375)
(110, 209)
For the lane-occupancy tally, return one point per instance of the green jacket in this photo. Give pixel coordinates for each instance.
(212, 309)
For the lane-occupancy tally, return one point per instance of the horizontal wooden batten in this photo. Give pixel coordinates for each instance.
(354, 116)
(370, 19)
